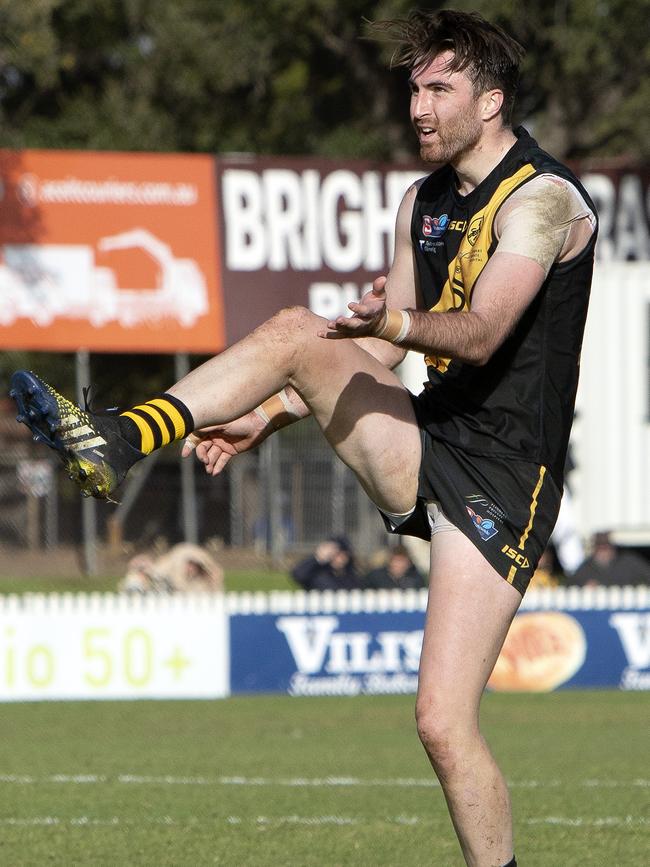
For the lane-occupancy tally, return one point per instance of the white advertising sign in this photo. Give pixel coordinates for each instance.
(113, 647)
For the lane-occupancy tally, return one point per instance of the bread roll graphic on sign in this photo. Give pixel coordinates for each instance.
(542, 651)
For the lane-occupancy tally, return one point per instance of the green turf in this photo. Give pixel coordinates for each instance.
(577, 763)
(236, 580)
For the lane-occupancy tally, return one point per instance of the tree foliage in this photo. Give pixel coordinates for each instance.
(296, 76)
(292, 77)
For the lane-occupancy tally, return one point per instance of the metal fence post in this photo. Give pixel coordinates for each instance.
(88, 504)
(188, 486)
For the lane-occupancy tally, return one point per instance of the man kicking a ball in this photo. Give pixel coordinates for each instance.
(490, 281)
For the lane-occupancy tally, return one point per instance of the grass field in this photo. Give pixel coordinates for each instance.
(236, 581)
(282, 781)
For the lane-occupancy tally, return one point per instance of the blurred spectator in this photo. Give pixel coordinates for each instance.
(185, 568)
(331, 567)
(399, 572)
(610, 566)
(546, 572)
(141, 577)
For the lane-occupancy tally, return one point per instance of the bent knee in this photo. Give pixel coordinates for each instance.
(295, 320)
(291, 327)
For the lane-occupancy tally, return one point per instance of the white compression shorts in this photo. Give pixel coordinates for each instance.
(438, 521)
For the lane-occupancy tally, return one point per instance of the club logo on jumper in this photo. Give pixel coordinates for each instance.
(485, 526)
(474, 230)
(434, 227)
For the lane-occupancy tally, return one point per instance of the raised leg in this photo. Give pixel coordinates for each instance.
(361, 406)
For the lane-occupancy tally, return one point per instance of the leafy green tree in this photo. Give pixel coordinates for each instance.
(287, 76)
(294, 76)
(585, 77)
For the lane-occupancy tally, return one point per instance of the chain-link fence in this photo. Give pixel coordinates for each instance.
(295, 492)
(279, 500)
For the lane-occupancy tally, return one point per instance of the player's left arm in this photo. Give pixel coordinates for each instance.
(542, 224)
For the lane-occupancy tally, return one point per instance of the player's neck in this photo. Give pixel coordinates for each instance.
(474, 165)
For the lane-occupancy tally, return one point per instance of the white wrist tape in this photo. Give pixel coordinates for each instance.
(406, 325)
(395, 326)
(289, 407)
(277, 410)
(262, 414)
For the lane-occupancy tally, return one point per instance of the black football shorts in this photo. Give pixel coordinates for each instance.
(506, 508)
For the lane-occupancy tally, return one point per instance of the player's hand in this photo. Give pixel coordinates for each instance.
(215, 446)
(368, 314)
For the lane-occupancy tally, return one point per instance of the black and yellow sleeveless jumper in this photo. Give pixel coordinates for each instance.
(520, 404)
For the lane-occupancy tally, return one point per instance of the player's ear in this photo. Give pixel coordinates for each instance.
(491, 102)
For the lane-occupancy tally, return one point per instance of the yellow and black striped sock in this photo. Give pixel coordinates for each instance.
(156, 423)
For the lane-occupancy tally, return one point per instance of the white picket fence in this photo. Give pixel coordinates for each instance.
(123, 646)
(300, 602)
(377, 601)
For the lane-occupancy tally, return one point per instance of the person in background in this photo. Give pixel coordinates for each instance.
(141, 577)
(610, 566)
(399, 572)
(184, 568)
(330, 567)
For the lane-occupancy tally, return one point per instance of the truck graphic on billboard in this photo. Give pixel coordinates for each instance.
(63, 281)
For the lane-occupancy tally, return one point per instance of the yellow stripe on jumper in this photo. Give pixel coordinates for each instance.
(473, 255)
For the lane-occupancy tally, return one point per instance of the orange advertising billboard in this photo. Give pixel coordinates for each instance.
(109, 252)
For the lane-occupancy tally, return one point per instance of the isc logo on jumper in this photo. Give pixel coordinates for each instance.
(434, 227)
(485, 526)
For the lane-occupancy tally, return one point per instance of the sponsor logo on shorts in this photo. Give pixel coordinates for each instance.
(517, 556)
(434, 227)
(485, 526)
(491, 508)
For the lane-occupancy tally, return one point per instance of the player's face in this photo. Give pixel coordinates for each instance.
(444, 111)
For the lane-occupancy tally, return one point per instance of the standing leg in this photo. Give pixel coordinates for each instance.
(469, 611)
